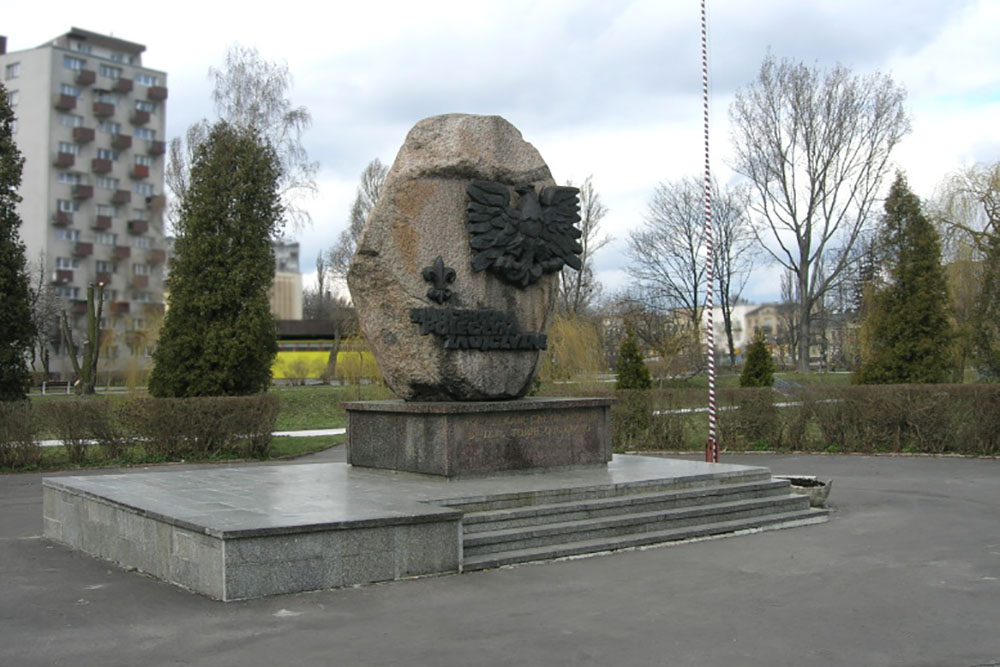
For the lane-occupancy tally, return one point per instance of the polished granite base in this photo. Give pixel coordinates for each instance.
(238, 533)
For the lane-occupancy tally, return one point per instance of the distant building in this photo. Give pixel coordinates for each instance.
(90, 121)
(286, 292)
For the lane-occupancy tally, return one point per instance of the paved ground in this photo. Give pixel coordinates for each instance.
(907, 572)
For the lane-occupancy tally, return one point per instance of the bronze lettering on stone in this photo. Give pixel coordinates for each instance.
(481, 329)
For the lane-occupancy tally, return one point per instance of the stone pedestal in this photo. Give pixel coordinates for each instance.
(453, 439)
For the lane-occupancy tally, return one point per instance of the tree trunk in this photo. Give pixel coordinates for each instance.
(802, 363)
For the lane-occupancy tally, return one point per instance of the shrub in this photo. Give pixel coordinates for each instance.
(18, 433)
(758, 371)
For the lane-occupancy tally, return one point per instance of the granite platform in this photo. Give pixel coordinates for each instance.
(238, 533)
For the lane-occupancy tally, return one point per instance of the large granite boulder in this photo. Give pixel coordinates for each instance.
(407, 301)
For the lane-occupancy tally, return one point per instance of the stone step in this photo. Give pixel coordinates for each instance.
(627, 523)
(574, 494)
(632, 503)
(593, 546)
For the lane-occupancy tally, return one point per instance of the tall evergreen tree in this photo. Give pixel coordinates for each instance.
(987, 321)
(218, 336)
(17, 333)
(907, 328)
(631, 370)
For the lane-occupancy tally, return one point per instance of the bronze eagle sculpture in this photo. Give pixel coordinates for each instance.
(520, 243)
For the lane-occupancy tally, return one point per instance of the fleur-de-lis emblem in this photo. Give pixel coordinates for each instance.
(440, 276)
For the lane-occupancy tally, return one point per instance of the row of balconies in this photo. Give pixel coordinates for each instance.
(153, 255)
(79, 307)
(103, 166)
(81, 192)
(103, 222)
(87, 77)
(64, 102)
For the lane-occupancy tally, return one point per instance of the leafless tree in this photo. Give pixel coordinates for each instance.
(579, 289)
(815, 146)
(734, 250)
(369, 189)
(45, 309)
(252, 92)
(968, 203)
(668, 252)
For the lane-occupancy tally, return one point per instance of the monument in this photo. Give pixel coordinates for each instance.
(454, 280)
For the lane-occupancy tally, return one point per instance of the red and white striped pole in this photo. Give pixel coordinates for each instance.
(712, 445)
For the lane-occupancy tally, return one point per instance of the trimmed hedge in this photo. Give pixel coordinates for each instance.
(147, 429)
(925, 419)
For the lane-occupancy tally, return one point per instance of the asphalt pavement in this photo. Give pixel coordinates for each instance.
(907, 572)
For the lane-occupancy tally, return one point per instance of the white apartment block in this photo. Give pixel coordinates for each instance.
(90, 123)
(286, 291)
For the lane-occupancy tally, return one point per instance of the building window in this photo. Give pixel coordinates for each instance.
(141, 296)
(107, 238)
(70, 120)
(144, 189)
(141, 241)
(68, 235)
(12, 98)
(139, 214)
(69, 177)
(144, 160)
(67, 147)
(146, 79)
(105, 267)
(145, 105)
(107, 97)
(118, 57)
(107, 210)
(82, 47)
(107, 154)
(140, 269)
(12, 71)
(68, 206)
(67, 263)
(111, 72)
(67, 89)
(110, 127)
(145, 133)
(67, 292)
(107, 183)
(73, 63)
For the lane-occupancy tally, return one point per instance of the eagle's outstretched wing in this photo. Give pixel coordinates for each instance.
(492, 223)
(561, 212)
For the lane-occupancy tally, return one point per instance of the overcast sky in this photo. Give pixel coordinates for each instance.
(607, 88)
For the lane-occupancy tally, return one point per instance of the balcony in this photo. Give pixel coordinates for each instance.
(121, 197)
(140, 117)
(156, 93)
(78, 306)
(119, 308)
(64, 160)
(85, 77)
(102, 223)
(104, 109)
(62, 276)
(122, 85)
(157, 148)
(139, 171)
(138, 226)
(62, 218)
(140, 282)
(101, 166)
(103, 278)
(83, 135)
(156, 202)
(121, 141)
(153, 308)
(83, 191)
(83, 249)
(64, 102)
(121, 252)
(156, 256)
